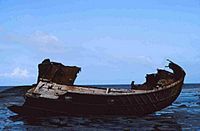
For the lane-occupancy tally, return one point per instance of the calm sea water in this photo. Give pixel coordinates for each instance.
(183, 114)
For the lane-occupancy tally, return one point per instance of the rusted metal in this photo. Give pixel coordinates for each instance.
(57, 72)
(56, 94)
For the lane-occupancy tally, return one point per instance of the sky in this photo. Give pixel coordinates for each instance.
(112, 41)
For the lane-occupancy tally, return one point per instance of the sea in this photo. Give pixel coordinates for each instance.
(183, 114)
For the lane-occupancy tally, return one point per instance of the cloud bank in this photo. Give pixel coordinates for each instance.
(38, 40)
(17, 72)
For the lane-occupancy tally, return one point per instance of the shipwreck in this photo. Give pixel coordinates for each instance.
(56, 94)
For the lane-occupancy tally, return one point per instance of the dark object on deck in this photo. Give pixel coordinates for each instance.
(57, 72)
(58, 97)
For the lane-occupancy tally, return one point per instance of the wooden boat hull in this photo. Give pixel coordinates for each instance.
(84, 104)
(53, 99)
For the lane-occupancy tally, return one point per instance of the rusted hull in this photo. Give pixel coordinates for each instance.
(48, 98)
(84, 104)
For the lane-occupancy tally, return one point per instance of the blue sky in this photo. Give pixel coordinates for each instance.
(113, 41)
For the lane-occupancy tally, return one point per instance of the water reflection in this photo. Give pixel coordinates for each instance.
(149, 122)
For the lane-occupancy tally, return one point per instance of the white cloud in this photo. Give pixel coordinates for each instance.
(38, 40)
(45, 42)
(16, 73)
(42, 38)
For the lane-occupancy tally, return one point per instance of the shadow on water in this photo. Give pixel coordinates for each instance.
(149, 122)
(183, 114)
